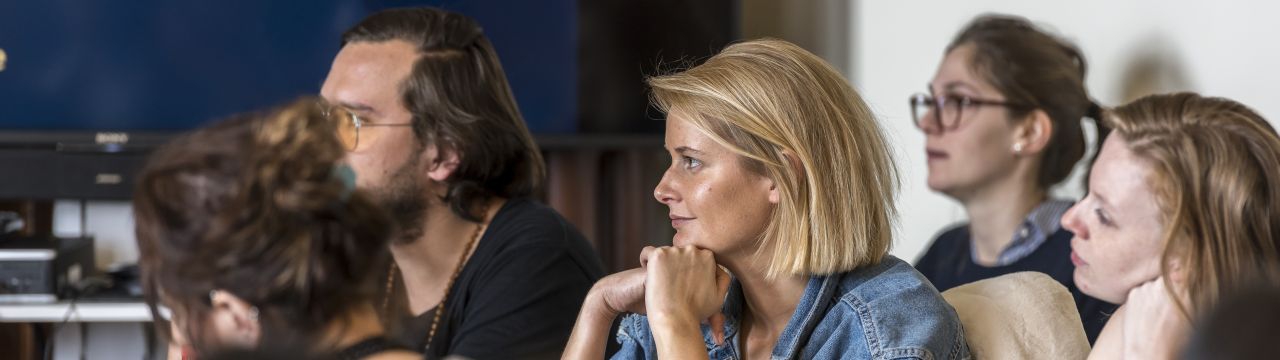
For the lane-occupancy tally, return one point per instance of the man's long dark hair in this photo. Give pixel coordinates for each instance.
(460, 101)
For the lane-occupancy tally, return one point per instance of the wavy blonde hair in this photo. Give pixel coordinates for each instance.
(793, 118)
(1216, 176)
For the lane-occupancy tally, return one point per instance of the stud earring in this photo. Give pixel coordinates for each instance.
(1017, 148)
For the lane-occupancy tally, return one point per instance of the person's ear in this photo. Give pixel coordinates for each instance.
(233, 320)
(1032, 135)
(443, 161)
(775, 196)
(1177, 272)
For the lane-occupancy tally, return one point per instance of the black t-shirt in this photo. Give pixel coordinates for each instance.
(949, 263)
(518, 295)
(369, 347)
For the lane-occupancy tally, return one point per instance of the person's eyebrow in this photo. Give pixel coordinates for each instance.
(358, 107)
(1102, 200)
(686, 149)
(953, 85)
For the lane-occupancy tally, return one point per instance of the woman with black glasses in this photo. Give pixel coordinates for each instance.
(1002, 125)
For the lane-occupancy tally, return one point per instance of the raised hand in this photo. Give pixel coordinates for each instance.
(1154, 327)
(684, 286)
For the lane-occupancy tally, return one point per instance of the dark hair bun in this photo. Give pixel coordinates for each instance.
(251, 205)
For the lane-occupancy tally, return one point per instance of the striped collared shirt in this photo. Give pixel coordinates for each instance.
(1041, 223)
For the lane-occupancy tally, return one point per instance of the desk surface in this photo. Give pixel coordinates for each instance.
(84, 311)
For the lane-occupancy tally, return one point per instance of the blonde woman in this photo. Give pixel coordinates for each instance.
(1183, 207)
(781, 175)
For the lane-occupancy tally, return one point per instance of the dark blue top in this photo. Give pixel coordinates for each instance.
(948, 264)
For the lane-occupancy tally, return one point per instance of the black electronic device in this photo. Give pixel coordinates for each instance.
(42, 269)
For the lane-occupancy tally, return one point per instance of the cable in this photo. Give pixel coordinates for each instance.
(83, 339)
(48, 344)
(84, 218)
(75, 297)
(149, 335)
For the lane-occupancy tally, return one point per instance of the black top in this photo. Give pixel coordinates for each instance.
(369, 347)
(305, 351)
(518, 295)
(949, 263)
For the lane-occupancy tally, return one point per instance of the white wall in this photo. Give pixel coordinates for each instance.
(1223, 48)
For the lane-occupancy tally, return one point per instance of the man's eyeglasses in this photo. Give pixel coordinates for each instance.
(349, 125)
(943, 113)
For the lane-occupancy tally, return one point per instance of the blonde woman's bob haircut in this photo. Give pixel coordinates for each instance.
(792, 118)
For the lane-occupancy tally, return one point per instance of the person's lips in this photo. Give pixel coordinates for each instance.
(1076, 260)
(933, 154)
(677, 220)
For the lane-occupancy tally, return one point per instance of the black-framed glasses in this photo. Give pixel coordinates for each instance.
(349, 125)
(945, 112)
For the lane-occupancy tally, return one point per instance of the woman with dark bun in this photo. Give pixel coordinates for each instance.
(251, 235)
(1002, 126)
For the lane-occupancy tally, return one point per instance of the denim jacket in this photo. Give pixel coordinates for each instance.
(883, 311)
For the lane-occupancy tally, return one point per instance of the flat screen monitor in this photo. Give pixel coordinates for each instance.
(86, 82)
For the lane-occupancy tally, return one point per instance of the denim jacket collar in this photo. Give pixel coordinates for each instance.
(818, 295)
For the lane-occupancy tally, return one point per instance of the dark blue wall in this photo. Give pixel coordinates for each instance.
(85, 65)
